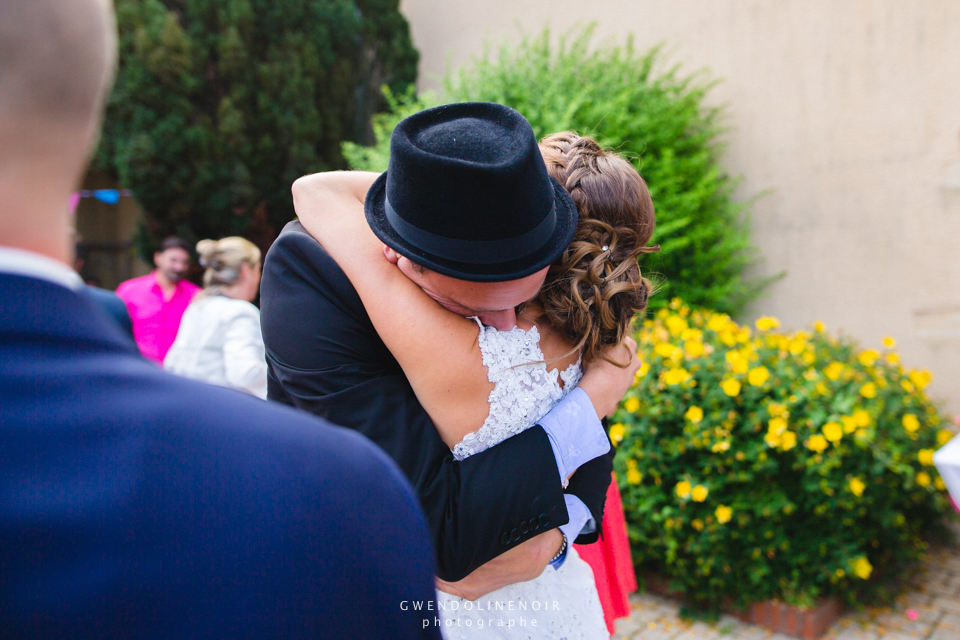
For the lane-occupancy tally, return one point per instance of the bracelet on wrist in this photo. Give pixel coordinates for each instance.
(562, 552)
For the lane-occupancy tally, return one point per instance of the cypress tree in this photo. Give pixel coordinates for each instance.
(220, 104)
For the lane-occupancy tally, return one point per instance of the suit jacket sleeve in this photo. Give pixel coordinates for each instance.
(325, 357)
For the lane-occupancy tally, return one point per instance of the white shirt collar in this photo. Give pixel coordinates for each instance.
(21, 262)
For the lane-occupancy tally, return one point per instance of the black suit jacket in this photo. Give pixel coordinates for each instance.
(324, 356)
(138, 504)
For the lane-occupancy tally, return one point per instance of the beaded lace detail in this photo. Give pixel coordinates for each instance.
(524, 391)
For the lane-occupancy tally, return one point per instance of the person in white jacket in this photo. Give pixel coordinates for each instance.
(219, 340)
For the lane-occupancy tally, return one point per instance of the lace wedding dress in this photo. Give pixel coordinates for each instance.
(561, 603)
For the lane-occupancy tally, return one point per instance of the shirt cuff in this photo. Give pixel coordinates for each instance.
(575, 432)
(580, 516)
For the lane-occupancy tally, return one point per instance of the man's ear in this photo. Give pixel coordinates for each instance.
(156, 257)
(391, 255)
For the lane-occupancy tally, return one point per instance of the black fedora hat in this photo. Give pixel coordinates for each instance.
(467, 194)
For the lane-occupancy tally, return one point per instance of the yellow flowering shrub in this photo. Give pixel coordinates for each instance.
(756, 464)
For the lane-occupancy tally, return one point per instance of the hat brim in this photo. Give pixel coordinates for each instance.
(501, 271)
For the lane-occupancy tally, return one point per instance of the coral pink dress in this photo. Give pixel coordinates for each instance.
(611, 561)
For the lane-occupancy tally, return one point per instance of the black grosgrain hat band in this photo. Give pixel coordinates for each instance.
(474, 251)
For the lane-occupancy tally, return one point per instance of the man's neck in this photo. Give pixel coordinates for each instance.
(167, 286)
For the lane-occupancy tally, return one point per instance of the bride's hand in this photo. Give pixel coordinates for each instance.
(524, 562)
(606, 383)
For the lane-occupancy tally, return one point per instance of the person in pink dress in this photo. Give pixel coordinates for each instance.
(156, 301)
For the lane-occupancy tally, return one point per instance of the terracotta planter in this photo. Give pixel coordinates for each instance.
(808, 624)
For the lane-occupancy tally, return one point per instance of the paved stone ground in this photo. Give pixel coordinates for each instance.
(933, 594)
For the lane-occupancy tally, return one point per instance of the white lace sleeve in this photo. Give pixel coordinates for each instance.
(523, 389)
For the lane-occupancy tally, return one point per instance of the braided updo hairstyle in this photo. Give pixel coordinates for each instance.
(593, 290)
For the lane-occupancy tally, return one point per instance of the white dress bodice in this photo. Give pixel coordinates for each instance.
(561, 603)
(524, 391)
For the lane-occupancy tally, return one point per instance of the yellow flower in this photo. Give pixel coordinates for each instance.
(692, 334)
(817, 443)
(910, 423)
(849, 424)
(728, 338)
(694, 414)
(743, 335)
(718, 322)
(777, 410)
(777, 425)
(833, 432)
(773, 439)
(694, 348)
(789, 440)
(809, 357)
(723, 513)
(833, 370)
(889, 342)
(731, 387)
(907, 386)
(758, 376)
(920, 379)
(868, 357)
(683, 490)
(818, 326)
(617, 432)
(634, 476)
(699, 493)
(766, 323)
(631, 405)
(861, 418)
(665, 350)
(697, 524)
(721, 446)
(861, 567)
(738, 361)
(822, 389)
(676, 325)
(676, 376)
(925, 456)
(869, 390)
(893, 358)
(923, 479)
(857, 486)
(840, 573)
(943, 437)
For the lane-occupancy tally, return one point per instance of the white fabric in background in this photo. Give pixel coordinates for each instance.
(219, 341)
(947, 461)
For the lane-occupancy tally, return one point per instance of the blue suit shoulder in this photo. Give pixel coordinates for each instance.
(140, 504)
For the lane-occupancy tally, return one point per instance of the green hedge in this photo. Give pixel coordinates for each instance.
(759, 465)
(653, 115)
(219, 105)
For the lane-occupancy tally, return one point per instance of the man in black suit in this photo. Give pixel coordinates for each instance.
(133, 503)
(467, 212)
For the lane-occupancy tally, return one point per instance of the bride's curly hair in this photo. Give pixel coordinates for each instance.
(593, 290)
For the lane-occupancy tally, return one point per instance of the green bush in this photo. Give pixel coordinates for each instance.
(759, 465)
(656, 118)
(219, 105)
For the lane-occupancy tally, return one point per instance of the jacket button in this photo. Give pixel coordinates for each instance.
(515, 534)
(544, 520)
(524, 528)
(505, 538)
(534, 525)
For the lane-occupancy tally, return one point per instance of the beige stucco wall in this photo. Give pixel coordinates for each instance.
(846, 111)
